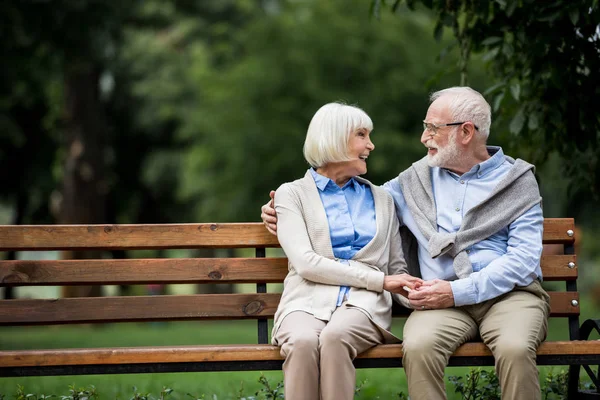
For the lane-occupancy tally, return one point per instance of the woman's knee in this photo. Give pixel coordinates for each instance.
(333, 337)
(304, 341)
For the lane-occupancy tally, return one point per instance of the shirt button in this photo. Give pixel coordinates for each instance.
(462, 182)
(468, 251)
(457, 209)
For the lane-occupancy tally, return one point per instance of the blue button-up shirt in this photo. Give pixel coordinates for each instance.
(351, 217)
(504, 260)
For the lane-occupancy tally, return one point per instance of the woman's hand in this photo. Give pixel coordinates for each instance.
(399, 283)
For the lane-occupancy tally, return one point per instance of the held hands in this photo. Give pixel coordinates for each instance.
(399, 283)
(268, 215)
(435, 294)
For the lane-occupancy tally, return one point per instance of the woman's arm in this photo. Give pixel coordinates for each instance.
(293, 236)
(398, 277)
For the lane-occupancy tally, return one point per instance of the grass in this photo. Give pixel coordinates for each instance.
(374, 383)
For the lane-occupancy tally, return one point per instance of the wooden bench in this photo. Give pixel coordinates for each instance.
(574, 351)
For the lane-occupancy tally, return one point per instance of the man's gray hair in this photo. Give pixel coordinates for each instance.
(467, 104)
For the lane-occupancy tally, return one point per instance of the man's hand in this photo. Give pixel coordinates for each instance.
(268, 215)
(431, 295)
(398, 283)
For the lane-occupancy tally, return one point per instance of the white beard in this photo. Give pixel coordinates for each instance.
(446, 156)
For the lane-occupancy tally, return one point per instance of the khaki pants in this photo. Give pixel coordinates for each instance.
(318, 354)
(512, 326)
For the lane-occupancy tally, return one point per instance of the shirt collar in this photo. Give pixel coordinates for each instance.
(323, 181)
(496, 159)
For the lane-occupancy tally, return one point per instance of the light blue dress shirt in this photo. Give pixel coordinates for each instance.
(504, 260)
(351, 217)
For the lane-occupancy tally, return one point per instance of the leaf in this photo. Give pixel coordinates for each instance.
(493, 88)
(491, 40)
(395, 5)
(491, 54)
(511, 8)
(533, 123)
(375, 9)
(438, 31)
(574, 15)
(502, 3)
(516, 125)
(515, 90)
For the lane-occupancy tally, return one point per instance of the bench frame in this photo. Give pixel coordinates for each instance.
(575, 352)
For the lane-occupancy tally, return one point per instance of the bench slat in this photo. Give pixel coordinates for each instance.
(143, 271)
(172, 308)
(186, 270)
(555, 230)
(138, 308)
(251, 352)
(129, 237)
(176, 236)
(556, 268)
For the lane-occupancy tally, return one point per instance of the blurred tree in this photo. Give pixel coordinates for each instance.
(545, 57)
(253, 110)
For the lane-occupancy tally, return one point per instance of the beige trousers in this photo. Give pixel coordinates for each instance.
(318, 354)
(512, 326)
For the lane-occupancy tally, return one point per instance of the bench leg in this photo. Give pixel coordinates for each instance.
(573, 390)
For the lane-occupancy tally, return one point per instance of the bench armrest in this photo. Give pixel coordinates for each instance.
(587, 327)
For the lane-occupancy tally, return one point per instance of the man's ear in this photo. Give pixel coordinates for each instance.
(467, 133)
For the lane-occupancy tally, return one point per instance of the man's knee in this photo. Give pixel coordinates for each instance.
(424, 343)
(514, 350)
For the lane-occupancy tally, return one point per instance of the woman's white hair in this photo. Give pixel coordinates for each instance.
(329, 133)
(467, 104)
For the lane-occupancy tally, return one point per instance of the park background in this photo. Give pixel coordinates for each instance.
(181, 111)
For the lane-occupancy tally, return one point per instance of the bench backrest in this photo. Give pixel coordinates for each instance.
(259, 269)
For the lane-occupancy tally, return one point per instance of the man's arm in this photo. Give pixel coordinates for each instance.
(268, 215)
(517, 267)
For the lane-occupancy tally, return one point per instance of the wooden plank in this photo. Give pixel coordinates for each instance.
(220, 353)
(180, 307)
(128, 237)
(175, 236)
(138, 308)
(142, 271)
(556, 268)
(555, 230)
(560, 305)
(186, 270)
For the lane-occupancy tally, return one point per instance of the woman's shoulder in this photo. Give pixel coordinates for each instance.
(293, 188)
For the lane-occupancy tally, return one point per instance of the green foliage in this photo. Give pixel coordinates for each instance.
(81, 393)
(544, 57)
(555, 385)
(478, 384)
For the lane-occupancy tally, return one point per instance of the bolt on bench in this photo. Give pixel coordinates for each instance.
(575, 351)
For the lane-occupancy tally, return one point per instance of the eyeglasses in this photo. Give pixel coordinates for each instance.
(428, 126)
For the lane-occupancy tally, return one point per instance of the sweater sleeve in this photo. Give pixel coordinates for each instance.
(517, 267)
(292, 232)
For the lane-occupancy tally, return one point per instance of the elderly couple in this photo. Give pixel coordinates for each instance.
(457, 237)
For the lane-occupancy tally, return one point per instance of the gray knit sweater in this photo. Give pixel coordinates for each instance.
(516, 193)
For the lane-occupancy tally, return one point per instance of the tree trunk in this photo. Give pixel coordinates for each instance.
(84, 186)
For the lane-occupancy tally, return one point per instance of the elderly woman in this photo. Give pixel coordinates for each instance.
(341, 236)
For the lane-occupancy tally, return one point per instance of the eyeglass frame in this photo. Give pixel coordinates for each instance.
(436, 127)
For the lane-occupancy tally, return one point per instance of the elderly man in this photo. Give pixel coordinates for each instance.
(472, 227)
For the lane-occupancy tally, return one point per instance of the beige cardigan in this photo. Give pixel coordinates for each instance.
(314, 278)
